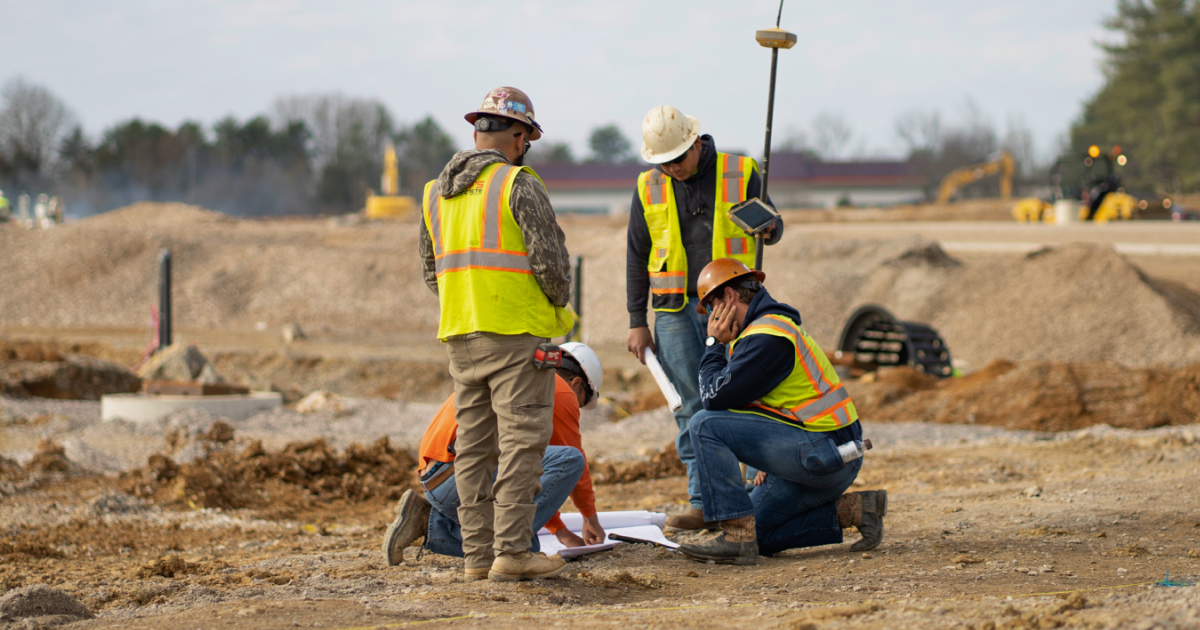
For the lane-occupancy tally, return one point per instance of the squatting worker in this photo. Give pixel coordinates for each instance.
(772, 400)
(496, 258)
(678, 223)
(433, 515)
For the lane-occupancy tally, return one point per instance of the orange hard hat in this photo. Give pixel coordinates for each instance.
(717, 273)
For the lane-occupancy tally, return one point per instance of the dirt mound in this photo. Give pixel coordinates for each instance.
(40, 601)
(1037, 395)
(42, 370)
(243, 475)
(663, 463)
(153, 214)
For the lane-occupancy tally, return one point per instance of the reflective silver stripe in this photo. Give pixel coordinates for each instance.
(656, 194)
(668, 282)
(435, 218)
(731, 179)
(823, 405)
(843, 417)
(491, 211)
(737, 246)
(814, 369)
(471, 258)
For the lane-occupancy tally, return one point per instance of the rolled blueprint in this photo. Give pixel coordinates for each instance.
(660, 377)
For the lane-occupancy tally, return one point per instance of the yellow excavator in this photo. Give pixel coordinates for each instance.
(389, 205)
(1000, 163)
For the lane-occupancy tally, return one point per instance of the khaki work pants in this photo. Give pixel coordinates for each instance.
(505, 418)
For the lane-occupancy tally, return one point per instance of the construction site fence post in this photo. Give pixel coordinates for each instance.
(576, 333)
(164, 298)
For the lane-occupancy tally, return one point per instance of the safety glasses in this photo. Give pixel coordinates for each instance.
(679, 160)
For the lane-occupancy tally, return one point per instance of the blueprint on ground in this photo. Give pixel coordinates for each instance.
(641, 525)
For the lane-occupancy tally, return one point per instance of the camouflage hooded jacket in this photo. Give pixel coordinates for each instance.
(533, 213)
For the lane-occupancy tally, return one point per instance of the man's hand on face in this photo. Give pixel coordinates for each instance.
(723, 321)
(568, 538)
(593, 534)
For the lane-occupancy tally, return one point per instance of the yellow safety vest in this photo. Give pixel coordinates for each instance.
(484, 280)
(668, 261)
(812, 396)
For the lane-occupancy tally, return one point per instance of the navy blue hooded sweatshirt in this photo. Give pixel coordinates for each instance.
(759, 365)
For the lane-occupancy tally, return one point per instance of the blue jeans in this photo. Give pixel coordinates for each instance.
(797, 504)
(561, 468)
(679, 343)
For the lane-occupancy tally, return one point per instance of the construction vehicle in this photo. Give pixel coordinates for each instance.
(390, 204)
(1000, 163)
(1091, 179)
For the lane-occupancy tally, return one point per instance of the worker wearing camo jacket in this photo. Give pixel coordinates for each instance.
(496, 258)
(432, 514)
(678, 223)
(772, 400)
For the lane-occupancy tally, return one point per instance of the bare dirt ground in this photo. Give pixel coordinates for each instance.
(1013, 503)
(986, 528)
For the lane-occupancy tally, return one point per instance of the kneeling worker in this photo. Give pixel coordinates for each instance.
(772, 400)
(434, 515)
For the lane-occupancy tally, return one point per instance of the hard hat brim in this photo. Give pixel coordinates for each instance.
(693, 133)
(537, 129)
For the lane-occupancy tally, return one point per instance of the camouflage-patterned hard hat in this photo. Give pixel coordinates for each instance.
(508, 102)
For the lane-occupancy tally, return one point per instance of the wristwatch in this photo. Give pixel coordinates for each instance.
(710, 341)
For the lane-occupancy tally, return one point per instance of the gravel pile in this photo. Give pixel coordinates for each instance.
(1074, 303)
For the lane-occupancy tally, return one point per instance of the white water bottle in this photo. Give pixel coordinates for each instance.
(853, 449)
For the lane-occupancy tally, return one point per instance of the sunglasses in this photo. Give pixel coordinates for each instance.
(679, 160)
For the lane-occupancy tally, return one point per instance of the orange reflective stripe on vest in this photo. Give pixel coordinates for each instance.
(810, 396)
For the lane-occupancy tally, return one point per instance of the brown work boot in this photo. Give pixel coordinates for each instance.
(863, 511)
(412, 522)
(691, 520)
(525, 566)
(736, 544)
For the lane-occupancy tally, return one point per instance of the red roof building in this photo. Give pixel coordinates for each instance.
(796, 181)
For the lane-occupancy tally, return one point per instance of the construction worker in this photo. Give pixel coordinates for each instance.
(678, 223)
(5, 208)
(432, 514)
(772, 400)
(497, 260)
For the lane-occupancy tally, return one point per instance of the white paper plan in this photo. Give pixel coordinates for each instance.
(640, 525)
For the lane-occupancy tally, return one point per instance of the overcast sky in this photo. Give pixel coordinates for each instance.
(584, 64)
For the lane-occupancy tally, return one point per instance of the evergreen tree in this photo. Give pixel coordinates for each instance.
(1150, 102)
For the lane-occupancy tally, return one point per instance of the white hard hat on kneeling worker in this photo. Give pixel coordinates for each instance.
(590, 363)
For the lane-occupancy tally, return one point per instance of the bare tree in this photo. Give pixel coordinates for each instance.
(342, 127)
(33, 122)
(919, 131)
(831, 135)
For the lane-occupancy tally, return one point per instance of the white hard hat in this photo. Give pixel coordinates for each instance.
(667, 133)
(591, 368)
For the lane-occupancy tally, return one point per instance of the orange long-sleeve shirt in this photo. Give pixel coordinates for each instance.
(438, 438)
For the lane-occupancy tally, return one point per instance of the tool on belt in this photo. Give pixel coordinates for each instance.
(547, 356)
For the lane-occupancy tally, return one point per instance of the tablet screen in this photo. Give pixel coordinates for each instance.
(755, 215)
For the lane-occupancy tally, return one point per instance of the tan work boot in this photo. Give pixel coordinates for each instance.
(736, 544)
(863, 511)
(475, 574)
(526, 566)
(412, 522)
(690, 520)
